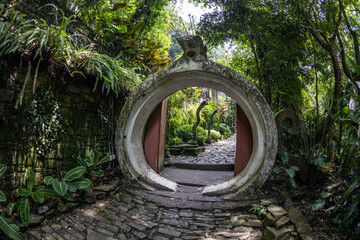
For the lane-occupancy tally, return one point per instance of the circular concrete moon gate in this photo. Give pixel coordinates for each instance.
(193, 69)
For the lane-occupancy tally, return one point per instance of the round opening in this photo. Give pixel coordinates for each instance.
(138, 108)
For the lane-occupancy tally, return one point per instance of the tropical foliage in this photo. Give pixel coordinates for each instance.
(303, 56)
(182, 116)
(12, 230)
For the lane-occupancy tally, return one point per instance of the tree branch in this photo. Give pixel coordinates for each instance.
(355, 38)
(343, 58)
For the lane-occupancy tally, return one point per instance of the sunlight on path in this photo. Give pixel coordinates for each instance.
(221, 152)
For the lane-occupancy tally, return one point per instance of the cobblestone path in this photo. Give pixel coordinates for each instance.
(221, 152)
(132, 214)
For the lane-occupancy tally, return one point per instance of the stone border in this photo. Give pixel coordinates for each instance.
(196, 72)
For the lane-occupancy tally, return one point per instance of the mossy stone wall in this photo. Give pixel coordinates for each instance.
(80, 121)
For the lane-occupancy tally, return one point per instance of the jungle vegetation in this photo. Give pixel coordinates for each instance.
(304, 56)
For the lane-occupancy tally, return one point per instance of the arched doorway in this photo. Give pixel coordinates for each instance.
(194, 69)
(154, 140)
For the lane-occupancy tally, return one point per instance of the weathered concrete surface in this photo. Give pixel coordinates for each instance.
(197, 71)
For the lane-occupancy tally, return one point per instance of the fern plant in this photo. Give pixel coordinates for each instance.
(6, 226)
(9, 43)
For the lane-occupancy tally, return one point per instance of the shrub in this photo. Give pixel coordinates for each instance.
(175, 141)
(215, 134)
(223, 129)
(185, 133)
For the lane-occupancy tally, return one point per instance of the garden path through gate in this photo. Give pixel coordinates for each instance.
(154, 139)
(255, 121)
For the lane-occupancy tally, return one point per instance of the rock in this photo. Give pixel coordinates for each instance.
(106, 187)
(90, 197)
(34, 233)
(35, 220)
(276, 211)
(92, 235)
(253, 223)
(243, 229)
(271, 233)
(43, 209)
(56, 226)
(282, 221)
(169, 232)
(299, 220)
(50, 213)
(100, 195)
(140, 235)
(269, 220)
(66, 207)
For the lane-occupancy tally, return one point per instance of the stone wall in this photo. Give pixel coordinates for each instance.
(64, 117)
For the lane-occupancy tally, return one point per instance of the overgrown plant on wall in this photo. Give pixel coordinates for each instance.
(44, 122)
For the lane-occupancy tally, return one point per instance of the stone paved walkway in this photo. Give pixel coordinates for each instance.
(221, 152)
(140, 214)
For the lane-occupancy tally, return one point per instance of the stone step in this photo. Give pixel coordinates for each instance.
(191, 177)
(195, 166)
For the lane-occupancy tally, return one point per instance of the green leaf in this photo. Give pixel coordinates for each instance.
(351, 188)
(24, 192)
(2, 197)
(9, 229)
(60, 187)
(3, 169)
(284, 158)
(97, 173)
(68, 196)
(139, 26)
(93, 157)
(50, 193)
(318, 204)
(325, 194)
(48, 180)
(82, 183)
(74, 173)
(37, 197)
(293, 183)
(350, 210)
(118, 6)
(71, 187)
(39, 189)
(354, 65)
(25, 211)
(30, 179)
(320, 161)
(82, 162)
(345, 112)
(290, 172)
(294, 168)
(103, 160)
(277, 170)
(10, 208)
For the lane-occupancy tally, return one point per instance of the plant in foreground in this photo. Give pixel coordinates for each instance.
(70, 183)
(92, 164)
(258, 209)
(6, 226)
(290, 170)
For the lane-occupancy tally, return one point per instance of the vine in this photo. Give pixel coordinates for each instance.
(44, 122)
